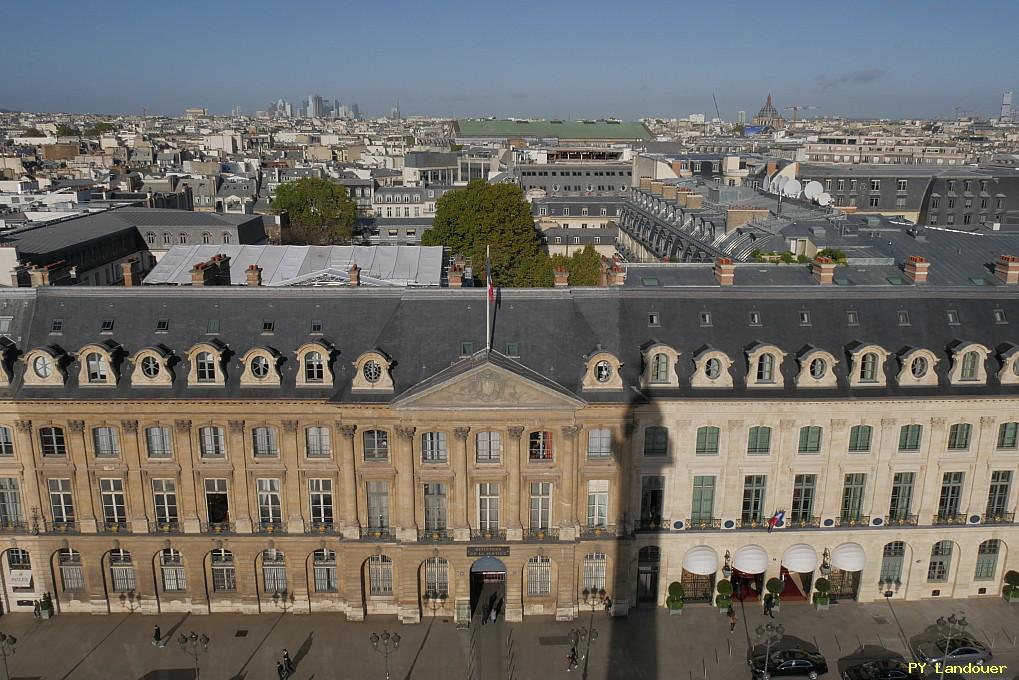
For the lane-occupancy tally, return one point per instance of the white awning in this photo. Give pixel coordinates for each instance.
(701, 560)
(21, 578)
(750, 559)
(848, 557)
(800, 558)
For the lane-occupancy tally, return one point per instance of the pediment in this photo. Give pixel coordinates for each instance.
(487, 386)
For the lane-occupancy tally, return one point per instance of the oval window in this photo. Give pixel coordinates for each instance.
(372, 371)
(602, 371)
(818, 368)
(713, 368)
(150, 367)
(918, 367)
(260, 367)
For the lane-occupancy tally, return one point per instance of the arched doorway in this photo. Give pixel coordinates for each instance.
(798, 564)
(488, 585)
(648, 562)
(748, 567)
(700, 564)
(847, 562)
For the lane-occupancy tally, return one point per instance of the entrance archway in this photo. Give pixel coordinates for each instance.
(847, 562)
(648, 560)
(748, 567)
(700, 564)
(488, 585)
(798, 564)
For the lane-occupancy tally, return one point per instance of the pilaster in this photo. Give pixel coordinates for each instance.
(290, 452)
(350, 526)
(514, 473)
(406, 526)
(461, 526)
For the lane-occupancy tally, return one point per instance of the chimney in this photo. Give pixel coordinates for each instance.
(725, 271)
(694, 201)
(562, 277)
(39, 276)
(355, 275)
(823, 269)
(253, 275)
(916, 268)
(455, 276)
(656, 187)
(669, 191)
(129, 272)
(221, 263)
(202, 274)
(1006, 270)
(645, 183)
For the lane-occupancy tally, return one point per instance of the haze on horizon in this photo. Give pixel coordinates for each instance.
(567, 59)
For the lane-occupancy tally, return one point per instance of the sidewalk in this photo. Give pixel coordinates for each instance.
(647, 645)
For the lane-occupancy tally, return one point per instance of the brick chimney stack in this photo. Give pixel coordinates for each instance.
(202, 274)
(39, 276)
(1006, 270)
(455, 276)
(222, 264)
(725, 271)
(254, 275)
(129, 271)
(355, 275)
(823, 269)
(562, 277)
(917, 268)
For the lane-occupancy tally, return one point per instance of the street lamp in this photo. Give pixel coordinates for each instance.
(769, 634)
(581, 635)
(950, 627)
(7, 643)
(726, 568)
(593, 597)
(385, 644)
(825, 562)
(435, 600)
(194, 645)
(132, 599)
(280, 598)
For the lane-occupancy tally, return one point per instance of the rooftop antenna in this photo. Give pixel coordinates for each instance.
(717, 114)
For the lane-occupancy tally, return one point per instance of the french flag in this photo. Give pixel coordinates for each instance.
(776, 519)
(488, 279)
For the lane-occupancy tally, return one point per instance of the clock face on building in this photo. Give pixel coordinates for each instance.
(43, 366)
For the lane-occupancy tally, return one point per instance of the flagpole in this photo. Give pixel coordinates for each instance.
(488, 300)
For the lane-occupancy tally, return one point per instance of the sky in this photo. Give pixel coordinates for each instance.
(524, 58)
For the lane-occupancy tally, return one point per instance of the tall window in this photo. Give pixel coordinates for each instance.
(859, 438)
(274, 571)
(269, 507)
(437, 576)
(264, 441)
(158, 442)
(970, 366)
(998, 493)
(171, 564)
(121, 571)
(488, 506)
(539, 446)
(804, 487)
(941, 560)
(660, 369)
(539, 576)
(212, 441)
(51, 441)
(98, 371)
(380, 576)
(987, 560)
(909, 437)
(869, 367)
(599, 443)
(433, 447)
(958, 436)
(61, 503)
(321, 502)
(72, 575)
(489, 447)
(707, 440)
(217, 501)
(164, 494)
(656, 440)
(703, 508)
(6, 441)
(112, 493)
(810, 439)
(595, 570)
(597, 503)
(314, 367)
(317, 440)
(378, 505)
(324, 564)
(224, 572)
(852, 496)
(376, 445)
(205, 367)
(106, 441)
(759, 440)
(10, 503)
(766, 368)
(902, 496)
(951, 492)
(1008, 435)
(891, 561)
(652, 501)
(753, 498)
(541, 505)
(435, 507)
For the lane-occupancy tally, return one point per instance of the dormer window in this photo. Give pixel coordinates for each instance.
(43, 367)
(313, 367)
(98, 369)
(713, 368)
(766, 368)
(660, 368)
(205, 367)
(372, 372)
(970, 362)
(918, 367)
(868, 367)
(260, 367)
(150, 367)
(818, 368)
(603, 371)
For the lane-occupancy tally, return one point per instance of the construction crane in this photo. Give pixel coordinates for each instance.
(796, 108)
(717, 114)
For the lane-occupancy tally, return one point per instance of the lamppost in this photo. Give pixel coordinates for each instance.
(385, 644)
(281, 598)
(727, 567)
(593, 597)
(950, 628)
(194, 645)
(132, 599)
(7, 643)
(769, 634)
(581, 635)
(435, 600)
(826, 563)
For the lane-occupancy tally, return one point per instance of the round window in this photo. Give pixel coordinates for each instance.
(713, 369)
(602, 371)
(150, 367)
(260, 367)
(372, 371)
(818, 368)
(1015, 367)
(919, 367)
(43, 366)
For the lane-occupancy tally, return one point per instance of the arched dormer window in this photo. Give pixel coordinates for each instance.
(313, 364)
(817, 369)
(260, 367)
(151, 367)
(1008, 374)
(45, 367)
(372, 373)
(206, 364)
(711, 369)
(96, 364)
(602, 372)
(660, 366)
(917, 369)
(969, 364)
(868, 361)
(765, 366)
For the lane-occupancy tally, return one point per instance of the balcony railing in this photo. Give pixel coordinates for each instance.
(217, 528)
(320, 528)
(998, 518)
(378, 534)
(751, 524)
(13, 527)
(902, 521)
(652, 524)
(703, 524)
(113, 527)
(67, 527)
(269, 528)
(541, 534)
(168, 527)
(854, 521)
(801, 522)
(490, 535)
(434, 535)
(598, 532)
(941, 520)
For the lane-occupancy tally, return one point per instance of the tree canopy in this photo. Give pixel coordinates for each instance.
(321, 212)
(64, 130)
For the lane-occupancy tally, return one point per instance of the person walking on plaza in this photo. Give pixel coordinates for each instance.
(157, 636)
(732, 618)
(281, 671)
(769, 605)
(571, 659)
(37, 611)
(287, 663)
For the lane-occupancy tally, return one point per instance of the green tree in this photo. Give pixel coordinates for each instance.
(481, 214)
(100, 129)
(321, 211)
(584, 266)
(64, 130)
(34, 132)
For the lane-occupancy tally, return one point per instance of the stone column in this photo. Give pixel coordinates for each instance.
(974, 496)
(290, 451)
(193, 510)
(30, 482)
(134, 484)
(406, 494)
(86, 509)
(514, 474)
(568, 527)
(350, 526)
(930, 483)
(461, 526)
(242, 509)
(731, 489)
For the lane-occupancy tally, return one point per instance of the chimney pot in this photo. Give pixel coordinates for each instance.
(562, 277)
(1006, 270)
(917, 268)
(725, 271)
(254, 275)
(823, 269)
(355, 275)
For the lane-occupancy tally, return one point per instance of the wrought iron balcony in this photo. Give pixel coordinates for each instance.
(751, 524)
(703, 524)
(652, 524)
(998, 518)
(434, 535)
(320, 528)
(270, 528)
(113, 527)
(541, 534)
(801, 522)
(217, 528)
(854, 521)
(491, 535)
(64, 527)
(606, 531)
(948, 519)
(902, 521)
(168, 527)
(378, 534)
(8, 526)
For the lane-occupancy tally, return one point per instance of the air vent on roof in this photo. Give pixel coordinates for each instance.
(107, 326)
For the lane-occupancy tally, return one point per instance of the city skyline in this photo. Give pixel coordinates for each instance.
(655, 65)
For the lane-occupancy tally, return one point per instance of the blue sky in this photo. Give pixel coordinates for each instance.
(557, 58)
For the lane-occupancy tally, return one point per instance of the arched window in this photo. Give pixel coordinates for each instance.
(539, 576)
(150, 238)
(166, 238)
(171, 565)
(324, 564)
(656, 441)
(314, 368)
(1008, 435)
(891, 562)
(274, 571)
(317, 440)
(759, 440)
(766, 368)
(6, 441)
(380, 576)
(51, 440)
(707, 440)
(224, 572)
(212, 441)
(121, 571)
(660, 369)
(376, 445)
(264, 441)
(959, 436)
(859, 438)
(206, 237)
(941, 562)
(868, 367)
(72, 575)
(18, 559)
(434, 447)
(205, 366)
(595, 569)
(182, 237)
(810, 439)
(987, 560)
(436, 578)
(970, 364)
(226, 237)
(97, 368)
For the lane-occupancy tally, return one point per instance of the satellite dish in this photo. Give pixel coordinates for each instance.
(791, 188)
(777, 182)
(813, 190)
(824, 199)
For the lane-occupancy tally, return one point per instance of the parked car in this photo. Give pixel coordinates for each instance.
(959, 650)
(789, 662)
(881, 669)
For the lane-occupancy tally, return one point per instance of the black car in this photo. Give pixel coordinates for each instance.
(881, 669)
(794, 662)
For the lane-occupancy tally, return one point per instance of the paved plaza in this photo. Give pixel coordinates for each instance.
(647, 645)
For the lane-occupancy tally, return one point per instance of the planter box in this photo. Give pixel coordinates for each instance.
(46, 613)
(675, 612)
(1012, 599)
(822, 607)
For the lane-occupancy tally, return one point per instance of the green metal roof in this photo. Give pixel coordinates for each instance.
(545, 128)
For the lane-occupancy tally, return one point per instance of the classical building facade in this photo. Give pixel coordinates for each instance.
(211, 450)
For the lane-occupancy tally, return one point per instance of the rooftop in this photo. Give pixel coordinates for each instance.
(600, 129)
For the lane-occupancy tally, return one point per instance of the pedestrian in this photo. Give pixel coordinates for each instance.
(608, 604)
(769, 605)
(287, 663)
(37, 611)
(281, 671)
(732, 618)
(493, 615)
(157, 636)
(571, 659)
(485, 613)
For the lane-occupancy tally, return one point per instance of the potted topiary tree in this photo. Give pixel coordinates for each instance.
(821, 588)
(724, 598)
(1011, 591)
(775, 586)
(675, 599)
(46, 606)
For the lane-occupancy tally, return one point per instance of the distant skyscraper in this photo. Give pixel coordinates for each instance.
(1006, 105)
(742, 117)
(355, 112)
